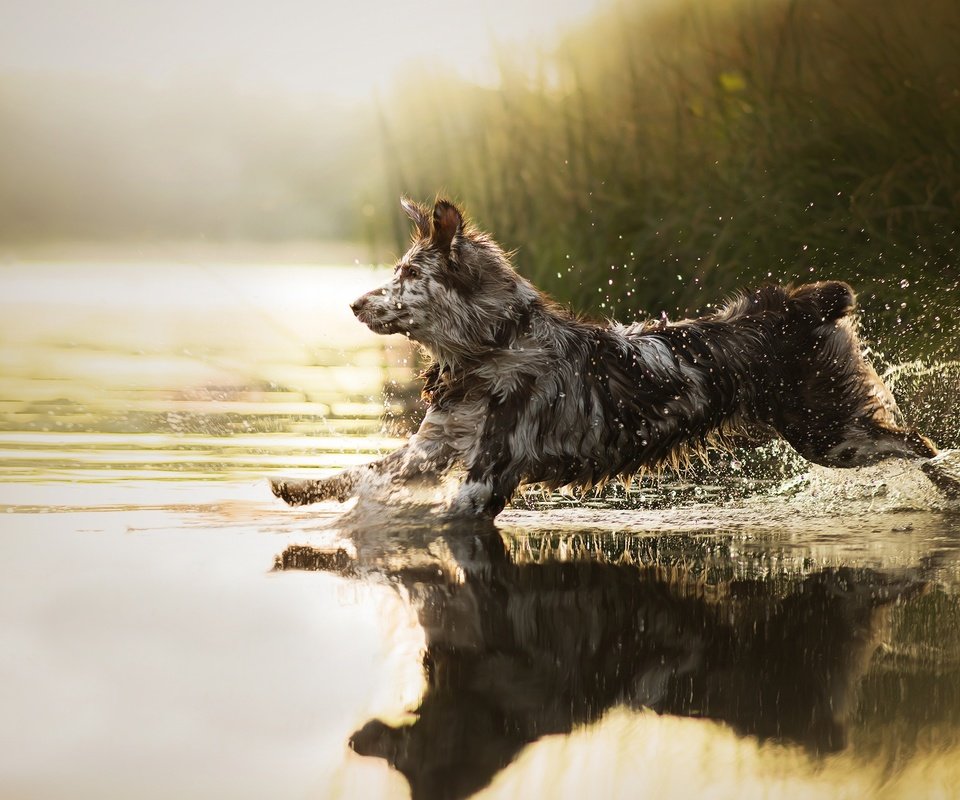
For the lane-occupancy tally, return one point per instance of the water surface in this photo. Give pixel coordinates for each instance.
(170, 629)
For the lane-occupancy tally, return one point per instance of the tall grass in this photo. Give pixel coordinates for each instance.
(665, 155)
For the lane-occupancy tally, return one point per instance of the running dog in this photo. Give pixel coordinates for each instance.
(521, 391)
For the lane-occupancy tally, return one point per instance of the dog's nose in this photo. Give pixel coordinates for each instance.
(358, 304)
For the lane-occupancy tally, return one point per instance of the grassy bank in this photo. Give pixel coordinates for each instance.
(664, 156)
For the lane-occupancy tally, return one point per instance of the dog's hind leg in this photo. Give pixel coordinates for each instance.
(866, 442)
(943, 471)
(830, 404)
(875, 442)
(835, 440)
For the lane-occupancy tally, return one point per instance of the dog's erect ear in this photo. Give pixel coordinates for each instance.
(447, 222)
(418, 214)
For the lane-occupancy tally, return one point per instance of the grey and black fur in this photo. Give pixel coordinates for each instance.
(521, 391)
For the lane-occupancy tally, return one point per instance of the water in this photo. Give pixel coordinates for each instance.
(169, 629)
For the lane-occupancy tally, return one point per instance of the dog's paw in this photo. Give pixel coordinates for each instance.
(944, 472)
(297, 493)
(286, 490)
(476, 500)
(301, 493)
(469, 500)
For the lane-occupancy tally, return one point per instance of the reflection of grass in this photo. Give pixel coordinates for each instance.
(920, 667)
(661, 158)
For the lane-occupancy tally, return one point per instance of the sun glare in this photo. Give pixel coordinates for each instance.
(349, 50)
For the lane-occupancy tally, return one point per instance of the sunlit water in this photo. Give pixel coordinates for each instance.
(171, 630)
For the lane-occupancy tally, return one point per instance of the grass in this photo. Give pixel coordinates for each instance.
(662, 157)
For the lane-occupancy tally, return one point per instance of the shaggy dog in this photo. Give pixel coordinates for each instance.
(520, 391)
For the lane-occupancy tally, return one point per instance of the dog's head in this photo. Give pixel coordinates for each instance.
(454, 291)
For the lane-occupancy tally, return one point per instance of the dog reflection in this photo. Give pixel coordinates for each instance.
(517, 651)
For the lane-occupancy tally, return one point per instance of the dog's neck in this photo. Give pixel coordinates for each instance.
(512, 330)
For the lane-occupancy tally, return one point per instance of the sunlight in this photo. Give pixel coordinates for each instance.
(349, 50)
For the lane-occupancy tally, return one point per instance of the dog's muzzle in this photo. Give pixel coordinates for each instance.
(358, 305)
(372, 315)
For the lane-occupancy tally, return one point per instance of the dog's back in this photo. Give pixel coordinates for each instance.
(791, 358)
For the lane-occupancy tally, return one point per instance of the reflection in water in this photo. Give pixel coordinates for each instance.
(520, 647)
(137, 405)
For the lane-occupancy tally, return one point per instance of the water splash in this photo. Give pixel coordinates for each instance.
(929, 396)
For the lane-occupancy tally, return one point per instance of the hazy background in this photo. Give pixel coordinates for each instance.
(642, 155)
(223, 120)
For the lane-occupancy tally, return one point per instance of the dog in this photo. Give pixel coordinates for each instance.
(519, 390)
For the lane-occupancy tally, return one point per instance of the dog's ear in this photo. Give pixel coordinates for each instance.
(418, 214)
(447, 223)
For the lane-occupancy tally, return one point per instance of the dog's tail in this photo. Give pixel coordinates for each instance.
(825, 301)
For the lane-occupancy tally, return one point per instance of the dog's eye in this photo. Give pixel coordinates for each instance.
(413, 272)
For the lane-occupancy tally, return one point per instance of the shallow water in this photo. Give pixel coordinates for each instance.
(170, 629)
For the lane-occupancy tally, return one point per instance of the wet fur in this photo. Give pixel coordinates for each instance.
(521, 391)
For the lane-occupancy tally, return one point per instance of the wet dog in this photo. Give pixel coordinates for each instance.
(521, 391)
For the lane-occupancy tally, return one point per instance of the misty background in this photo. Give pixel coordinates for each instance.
(139, 121)
(640, 155)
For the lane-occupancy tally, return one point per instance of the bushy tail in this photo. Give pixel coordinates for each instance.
(824, 301)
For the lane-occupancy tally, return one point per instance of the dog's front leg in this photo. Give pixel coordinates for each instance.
(475, 499)
(422, 455)
(482, 498)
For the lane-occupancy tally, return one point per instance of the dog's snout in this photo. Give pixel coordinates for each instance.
(357, 305)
